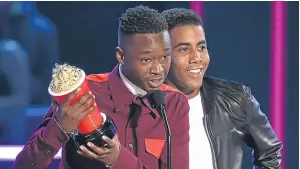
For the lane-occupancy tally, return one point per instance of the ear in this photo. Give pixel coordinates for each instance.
(120, 55)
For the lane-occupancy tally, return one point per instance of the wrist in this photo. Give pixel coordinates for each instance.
(68, 133)
(114, 161)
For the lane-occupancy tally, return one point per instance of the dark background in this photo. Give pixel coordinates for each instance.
(238, 35)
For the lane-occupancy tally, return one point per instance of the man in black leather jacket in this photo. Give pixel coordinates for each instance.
(231, 116)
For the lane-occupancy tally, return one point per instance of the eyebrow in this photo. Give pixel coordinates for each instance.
(202, 42)
(167, 49)
(188, 44)
(146, 52)
(150, 51)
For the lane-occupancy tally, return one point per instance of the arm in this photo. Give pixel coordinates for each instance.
(42, 146)
(178, 108)
(260, 135)
(50, 135)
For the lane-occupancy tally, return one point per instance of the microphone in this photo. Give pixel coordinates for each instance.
(157, 100)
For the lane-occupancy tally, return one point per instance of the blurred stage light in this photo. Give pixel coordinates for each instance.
(10, 152)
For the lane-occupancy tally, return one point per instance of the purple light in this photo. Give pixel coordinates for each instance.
(278, 79)
(197, 7)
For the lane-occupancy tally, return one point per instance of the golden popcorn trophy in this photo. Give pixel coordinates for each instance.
(66, 79)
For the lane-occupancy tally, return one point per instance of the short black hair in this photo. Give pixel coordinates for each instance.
(181, 16)
(142, 19)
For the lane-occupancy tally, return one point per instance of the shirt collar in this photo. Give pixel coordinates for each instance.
(135, 90)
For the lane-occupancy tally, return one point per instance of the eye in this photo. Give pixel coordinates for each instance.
(183, 49)
(203, 47)
(166, 56)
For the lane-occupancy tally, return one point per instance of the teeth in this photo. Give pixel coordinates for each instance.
(194, 71)
(155, 80)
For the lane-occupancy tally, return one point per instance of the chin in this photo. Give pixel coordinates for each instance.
(195, 84)
(149, 88)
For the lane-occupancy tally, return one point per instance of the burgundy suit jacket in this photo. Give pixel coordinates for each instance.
(114, 99)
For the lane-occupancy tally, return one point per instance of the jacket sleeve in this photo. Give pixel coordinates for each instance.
(177, 111)
(42, 146)
(260, 135)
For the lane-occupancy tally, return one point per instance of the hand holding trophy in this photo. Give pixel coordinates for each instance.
(77, 111)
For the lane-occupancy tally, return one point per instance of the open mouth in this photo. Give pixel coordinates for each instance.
(195, 72)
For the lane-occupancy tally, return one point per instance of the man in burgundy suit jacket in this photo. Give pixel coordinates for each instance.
(143, 54)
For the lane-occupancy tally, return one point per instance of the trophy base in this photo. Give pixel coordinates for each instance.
(107, 129)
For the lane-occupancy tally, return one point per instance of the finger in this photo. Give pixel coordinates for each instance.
(71, 96)
(54, 108)
(53, 101)
(110, 143)
(54, 104)
(80, 152)
(81, 101)
(84, 154)
(89, 102)
(87, 153)
(88, 111)
(99, 151)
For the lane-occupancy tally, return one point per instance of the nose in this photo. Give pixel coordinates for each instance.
(195, 57)
(156, 69)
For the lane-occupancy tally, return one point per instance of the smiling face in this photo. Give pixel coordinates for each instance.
(190, 58)
(145, 58)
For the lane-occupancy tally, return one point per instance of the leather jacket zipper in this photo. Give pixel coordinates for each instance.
(209, 136)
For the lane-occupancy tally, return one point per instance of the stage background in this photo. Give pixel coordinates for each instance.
(238, 35)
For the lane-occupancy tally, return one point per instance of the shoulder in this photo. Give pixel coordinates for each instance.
(223, 85)
(98, 78)
(170, 90)
(236, 95)
(172, 94)
(176, 101)
(98, 82)
(229, 90)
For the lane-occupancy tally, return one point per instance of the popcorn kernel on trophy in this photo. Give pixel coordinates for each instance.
(66, 79)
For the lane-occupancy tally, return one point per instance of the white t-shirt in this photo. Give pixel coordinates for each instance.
(200, 151)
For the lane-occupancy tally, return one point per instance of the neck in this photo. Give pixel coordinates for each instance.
(131, 85)
(128, 77)
(193, 94)
(190, 93)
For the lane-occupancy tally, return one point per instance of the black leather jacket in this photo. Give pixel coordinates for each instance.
(232, 118)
